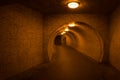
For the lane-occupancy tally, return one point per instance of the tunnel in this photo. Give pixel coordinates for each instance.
(59, 40)
(78, 37)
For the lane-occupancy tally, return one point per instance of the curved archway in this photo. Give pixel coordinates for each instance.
(57, 40)
(81, 37)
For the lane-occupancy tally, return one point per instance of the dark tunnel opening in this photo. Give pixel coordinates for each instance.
(57, 40)
(60, 40)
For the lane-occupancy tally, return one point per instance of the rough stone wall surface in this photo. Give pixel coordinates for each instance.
(20, 40)
(115, 39)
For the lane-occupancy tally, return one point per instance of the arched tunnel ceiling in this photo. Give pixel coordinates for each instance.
(58, 6)
(81, 38)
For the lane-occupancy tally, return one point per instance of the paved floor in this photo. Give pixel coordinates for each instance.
(72, 65)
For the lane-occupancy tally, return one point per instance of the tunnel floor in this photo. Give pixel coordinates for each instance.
(70, 64)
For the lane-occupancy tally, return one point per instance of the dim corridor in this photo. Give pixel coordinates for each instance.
(70, 64)
(48, 40)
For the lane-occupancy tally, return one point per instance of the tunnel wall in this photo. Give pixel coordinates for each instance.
(115, 39)
(89, 42)
(53, 22)
(20, 40)
(71, 37)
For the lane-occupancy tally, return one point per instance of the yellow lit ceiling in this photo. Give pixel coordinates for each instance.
(60, 6)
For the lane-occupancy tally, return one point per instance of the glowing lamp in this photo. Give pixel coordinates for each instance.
(71, 25)
(66, 29)
(63, 33)
(73, 5)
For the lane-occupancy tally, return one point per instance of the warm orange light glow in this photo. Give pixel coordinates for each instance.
(63, 33)
(66, 29)
(71, 25)
(73, 5)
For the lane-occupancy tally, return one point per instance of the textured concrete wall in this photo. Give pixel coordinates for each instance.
(115, 39)
(89, 42)
(20, 40)
(53, 22)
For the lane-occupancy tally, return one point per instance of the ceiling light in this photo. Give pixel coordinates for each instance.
(66, 29)
(71, 25)
(63, 33)
(73, 5)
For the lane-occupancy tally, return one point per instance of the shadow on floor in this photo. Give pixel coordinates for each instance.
(70, 64)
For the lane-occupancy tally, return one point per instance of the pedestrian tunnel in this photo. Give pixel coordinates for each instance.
(80, 36)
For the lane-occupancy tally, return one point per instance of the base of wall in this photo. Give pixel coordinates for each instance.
(25, 75)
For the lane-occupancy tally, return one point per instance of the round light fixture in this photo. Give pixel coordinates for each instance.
(72, 25)
(63, 33)
(73, 5)
(66, 29)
